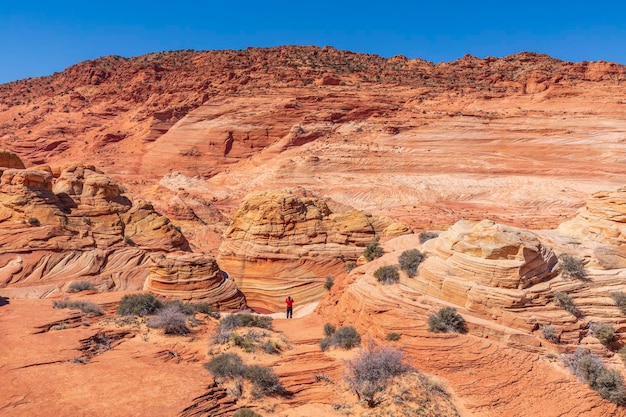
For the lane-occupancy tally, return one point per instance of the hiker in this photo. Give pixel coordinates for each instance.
(289, 302)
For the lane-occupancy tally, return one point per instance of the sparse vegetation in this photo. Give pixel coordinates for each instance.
(86, 307)
(393, 337)
(329, 329)
(33, 221)
(387, 274)
(171, 319)
(330, 281)
(264, 380)
(350, 266)
(550, 333)
(605, 333)
(233, 321)
(226, 365)
(138, 305)
(446, 320)
(78, 286)
(572, 267)
(246, 412)
(370, 371)
(587, 367)
(373, 251)
(620, 300)
(566, 302)
(409, 260)
(345, 337)
(425, 236)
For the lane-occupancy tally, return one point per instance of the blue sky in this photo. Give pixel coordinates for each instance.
(43, 37)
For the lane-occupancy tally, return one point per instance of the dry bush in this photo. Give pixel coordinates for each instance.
(86, 307)
(138, 305)
(79, 286)
(426, 236)
(345, 337)
(387, 274)
(373, 251)
(572, 267)
(446, 320)
(567, 303)
(171, 319)
(226, 365)
(587, 367)
(369, 372)
(409, 260)
(234, 321)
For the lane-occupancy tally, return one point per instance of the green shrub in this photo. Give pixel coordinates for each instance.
(393, 337)
(78, 286)
(620, 300)
(350, 266)
(171, 319)
(33, 221)
(387, 274)
(550, 333)
(271, 347)
(608, 383)
(233, 321)
(329, 329)
(605, 333)
(330, 281)
(409, 260)
(86, 307)
(244, 342)
(246, 412)
(226, 365)
(373, 251)
(566, 302)
(138, 305)
(192, 308)
(426, 236)
(369, 372)
(446, 320)
(264, 380)
(572, 267)
(345, 337)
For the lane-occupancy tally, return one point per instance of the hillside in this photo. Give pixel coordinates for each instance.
(238, 177)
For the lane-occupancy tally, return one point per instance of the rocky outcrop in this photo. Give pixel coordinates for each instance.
(79, 225)
(281, 243)
(194, 277)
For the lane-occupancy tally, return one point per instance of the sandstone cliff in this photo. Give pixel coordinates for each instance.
(281, 243)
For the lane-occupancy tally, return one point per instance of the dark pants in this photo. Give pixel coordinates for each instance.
(289, 312)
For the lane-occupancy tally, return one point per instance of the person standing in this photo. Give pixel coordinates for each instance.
(289, 303)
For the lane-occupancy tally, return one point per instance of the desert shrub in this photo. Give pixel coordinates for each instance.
(192, 308)
(264, 380)
(345, 337)
(393, 337)
(78, 286)
(329, 329)
(86, 307)
(425, 236)
(370, 370)
(171, 319)
(387, 274)
(373, 251)
(350, 266)
(566, 302)
(446, 320)
(244, 342)
(330, 281)
(572, 267)
(620, 300)
(226, 365)
(550, 333)
(233, 321)
(33, 221)
(271, 347)
(622, 354)
(138, 305)
(587, 367)
(605, 333)
(409, 260)
(246, 412)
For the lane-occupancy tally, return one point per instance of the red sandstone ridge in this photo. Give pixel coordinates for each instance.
(515, 138)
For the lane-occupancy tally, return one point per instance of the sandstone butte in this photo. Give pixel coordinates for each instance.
(235, 177)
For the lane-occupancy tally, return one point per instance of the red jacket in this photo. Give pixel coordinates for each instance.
(289, 302)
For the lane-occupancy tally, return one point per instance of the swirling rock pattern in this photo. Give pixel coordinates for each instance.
(281, 243)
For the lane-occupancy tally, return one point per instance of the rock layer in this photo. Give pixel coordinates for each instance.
(194, 277)
(283, 243)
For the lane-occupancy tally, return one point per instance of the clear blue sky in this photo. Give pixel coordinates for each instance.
(42, 37)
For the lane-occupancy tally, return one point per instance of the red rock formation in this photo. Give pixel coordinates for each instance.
(282, 243)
